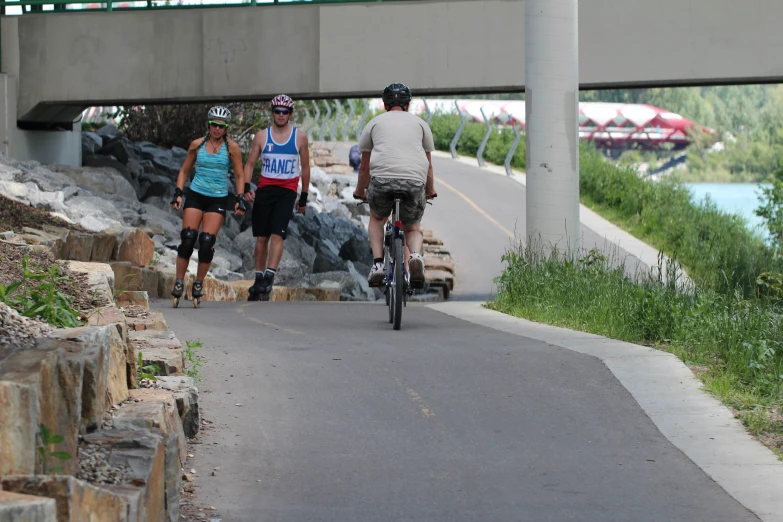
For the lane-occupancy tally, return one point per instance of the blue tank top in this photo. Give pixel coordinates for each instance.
(211, 177)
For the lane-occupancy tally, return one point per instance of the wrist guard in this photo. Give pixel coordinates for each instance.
(303, 199)
(177, 194)
(241, 202)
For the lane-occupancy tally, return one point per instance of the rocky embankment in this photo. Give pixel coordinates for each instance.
(120, 201)
(83, 436)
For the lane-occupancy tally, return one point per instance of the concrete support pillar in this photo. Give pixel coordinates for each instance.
(552, 104)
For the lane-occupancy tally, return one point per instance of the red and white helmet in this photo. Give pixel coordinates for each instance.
(282, 100)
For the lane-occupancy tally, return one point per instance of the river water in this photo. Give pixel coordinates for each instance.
(737, 198)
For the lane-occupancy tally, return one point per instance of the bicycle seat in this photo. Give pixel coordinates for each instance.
(399, 194)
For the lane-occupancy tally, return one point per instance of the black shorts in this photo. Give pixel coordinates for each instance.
(272, 210)
(205, 203)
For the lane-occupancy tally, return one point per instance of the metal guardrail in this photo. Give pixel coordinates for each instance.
(37, 6)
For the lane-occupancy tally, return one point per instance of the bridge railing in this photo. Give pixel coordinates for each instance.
(18, 7)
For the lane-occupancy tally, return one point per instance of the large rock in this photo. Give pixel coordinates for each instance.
(122, 362)
(102, 247)
(297, 249)
(226, 275)
(57, 241)
(158, 409)
(124, 170)
(154, 185)
(217, 290)
(15, 507)
(134, 500)
(160, 348)
(79, 246)
(100, 280)
(90, 143)
(229, 261)
(100, 180)
(119, 147)
(92, 212)
(107, 131)
(163, 160)
(292, 273)
(47, 180)
(135, 246)
(186, 394)
(144, 452)
(30, 194)
(104, 379)
(327, 260)
(357, 249)
(40, 386)
(126, 276)
(77, 501)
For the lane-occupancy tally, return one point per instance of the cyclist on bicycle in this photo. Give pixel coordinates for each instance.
(396, 151)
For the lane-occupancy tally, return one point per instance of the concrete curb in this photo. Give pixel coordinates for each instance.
(671, 396)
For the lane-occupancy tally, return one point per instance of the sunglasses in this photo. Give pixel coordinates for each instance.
(218, 124)
(282, 111)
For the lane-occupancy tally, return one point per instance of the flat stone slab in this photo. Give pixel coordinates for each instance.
(76, 500)
(17, 507)
(140, 318)
(289, 293)
(160, 348)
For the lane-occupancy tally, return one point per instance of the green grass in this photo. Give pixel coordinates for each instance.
(716, 248)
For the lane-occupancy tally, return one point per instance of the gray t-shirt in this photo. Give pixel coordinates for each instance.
(398, 141)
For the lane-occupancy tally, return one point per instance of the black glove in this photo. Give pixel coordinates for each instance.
(177, 194)
(241, 201)
(303, 199)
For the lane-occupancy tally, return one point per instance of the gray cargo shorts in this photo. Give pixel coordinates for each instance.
(379, 196)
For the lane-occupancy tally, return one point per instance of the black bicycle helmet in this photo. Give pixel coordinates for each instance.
(396, 95)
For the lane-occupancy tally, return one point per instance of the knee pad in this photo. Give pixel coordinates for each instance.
(188, 237)
(206, 247)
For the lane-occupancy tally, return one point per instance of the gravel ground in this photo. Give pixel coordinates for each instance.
(18, 330)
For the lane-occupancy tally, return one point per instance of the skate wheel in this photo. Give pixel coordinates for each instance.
(196, 302)
(176, 302)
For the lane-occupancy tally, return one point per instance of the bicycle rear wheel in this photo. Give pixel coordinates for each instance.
(398, 288)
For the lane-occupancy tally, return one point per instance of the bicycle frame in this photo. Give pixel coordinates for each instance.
(396, 233)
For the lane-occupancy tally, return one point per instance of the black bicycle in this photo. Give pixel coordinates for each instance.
(395, 279)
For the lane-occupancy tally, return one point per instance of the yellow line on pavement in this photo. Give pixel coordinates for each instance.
(272, 325)
(420, 403)
(477, 208)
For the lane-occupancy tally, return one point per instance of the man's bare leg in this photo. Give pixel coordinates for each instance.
(275, 251)
(261, 252)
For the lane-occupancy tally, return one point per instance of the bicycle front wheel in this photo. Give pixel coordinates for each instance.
(399, 283)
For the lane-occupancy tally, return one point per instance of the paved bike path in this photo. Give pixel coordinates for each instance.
(322, 413)
(478, 213)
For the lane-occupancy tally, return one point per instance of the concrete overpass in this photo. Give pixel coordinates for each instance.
(66, 61)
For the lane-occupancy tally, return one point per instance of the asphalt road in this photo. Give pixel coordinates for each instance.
(321, 412)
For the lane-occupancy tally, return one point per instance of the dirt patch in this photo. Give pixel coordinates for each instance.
(15, 215)
(75, 286)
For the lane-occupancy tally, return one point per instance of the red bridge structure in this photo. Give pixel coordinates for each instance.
(611, 126)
